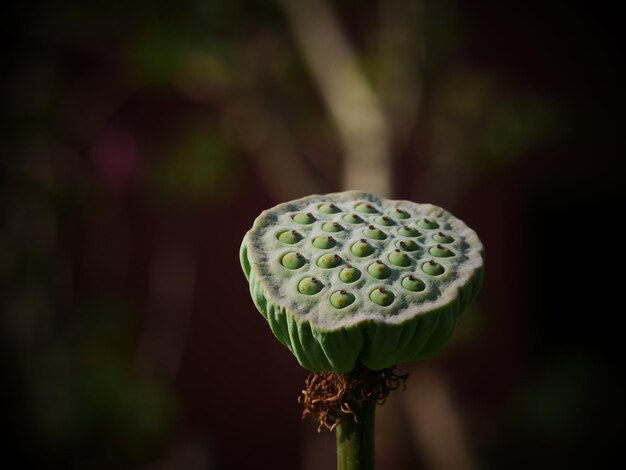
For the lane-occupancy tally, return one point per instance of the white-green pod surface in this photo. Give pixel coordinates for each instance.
(350, 276)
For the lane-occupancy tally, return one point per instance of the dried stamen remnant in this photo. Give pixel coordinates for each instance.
(331, 397)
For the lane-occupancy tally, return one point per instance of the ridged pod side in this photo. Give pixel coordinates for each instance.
(376, 345)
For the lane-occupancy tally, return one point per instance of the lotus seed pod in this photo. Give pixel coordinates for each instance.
(293, 260)
(290, 237)
(440, 251)
(343, 318)
(332, 227)
(440, 237)
(413, 284)
(353, 219)
(366, 207)
(328, 208)
(433, 268)
(399, 258)
(372, 232)
(341, 299)
(362, 248)
(379, 270)
(382, 296)
(309, 286)
(349, 274)
(407, 231)
(324, 242)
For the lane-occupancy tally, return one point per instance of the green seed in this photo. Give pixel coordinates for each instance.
(382, 296)
(328, 261)
(324, 242)
(399, 259)
(440, 251)
(440, 237)
(328, 208)
(379, 270)
(407, 245)
(399, 214)
(290, 237)
(362, 248)
(341, 299)
(413, 284)
(384, 220)
(366, 208)
(349, 274)
(375, 233)
(309, 285)
(407, 231)
(332, 227)
(432, 268)
(303, 218)
(427, 223)
(293, 260)
(352, 219)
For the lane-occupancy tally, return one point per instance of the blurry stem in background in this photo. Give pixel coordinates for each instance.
(355, 108)
(401, 55)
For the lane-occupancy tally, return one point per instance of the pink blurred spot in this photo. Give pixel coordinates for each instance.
(117, 158)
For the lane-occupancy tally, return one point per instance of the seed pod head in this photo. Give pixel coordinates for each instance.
(340, 277)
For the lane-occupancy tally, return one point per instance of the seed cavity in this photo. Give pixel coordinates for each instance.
(341, 299)
(382, 297)
(309, 286)
(413, 284)
(293, 260)
(290, 237)
(304, 219)
(428, 224)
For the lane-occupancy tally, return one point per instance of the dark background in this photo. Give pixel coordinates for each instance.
(140, 141)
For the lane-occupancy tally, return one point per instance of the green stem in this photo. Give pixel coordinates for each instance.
(355, 441)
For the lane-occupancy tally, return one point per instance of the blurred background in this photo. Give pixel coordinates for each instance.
(140, 141)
